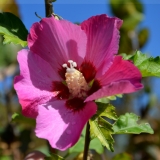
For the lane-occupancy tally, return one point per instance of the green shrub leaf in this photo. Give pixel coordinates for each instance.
(148, 66)
(106, 110)
(13, 29)
(101, 129)
(127, 124)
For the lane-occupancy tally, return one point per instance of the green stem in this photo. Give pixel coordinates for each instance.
(87, 141)
(48, 8)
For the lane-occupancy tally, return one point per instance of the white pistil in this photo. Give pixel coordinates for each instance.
(75, 80)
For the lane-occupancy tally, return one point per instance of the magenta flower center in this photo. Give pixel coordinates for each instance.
(75, 80)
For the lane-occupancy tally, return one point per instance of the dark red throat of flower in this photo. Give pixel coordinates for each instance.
(77, 85)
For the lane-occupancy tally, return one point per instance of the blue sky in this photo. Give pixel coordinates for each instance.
(79, 10)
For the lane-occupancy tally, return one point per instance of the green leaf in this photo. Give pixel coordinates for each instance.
(122, 156)
(103, 100)
(102, 131)
(8, 53)
(106, 110)
(100, 128)
(128, 124)
(126, 56)
(16, 117)
(13, 29)
(107, 99)
(95, 144)
(148, 66)
(11, 38)
(54, 157)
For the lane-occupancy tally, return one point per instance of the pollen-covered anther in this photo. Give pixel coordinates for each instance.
(75, 80)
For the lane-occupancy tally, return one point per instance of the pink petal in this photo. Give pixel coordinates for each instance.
(122, 77)
(34, 85)
(57, 41)
(103, 39)
(121, 70)
(120, 87)
(60, 126)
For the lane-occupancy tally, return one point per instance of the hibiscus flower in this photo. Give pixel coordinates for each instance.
(66, 68)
